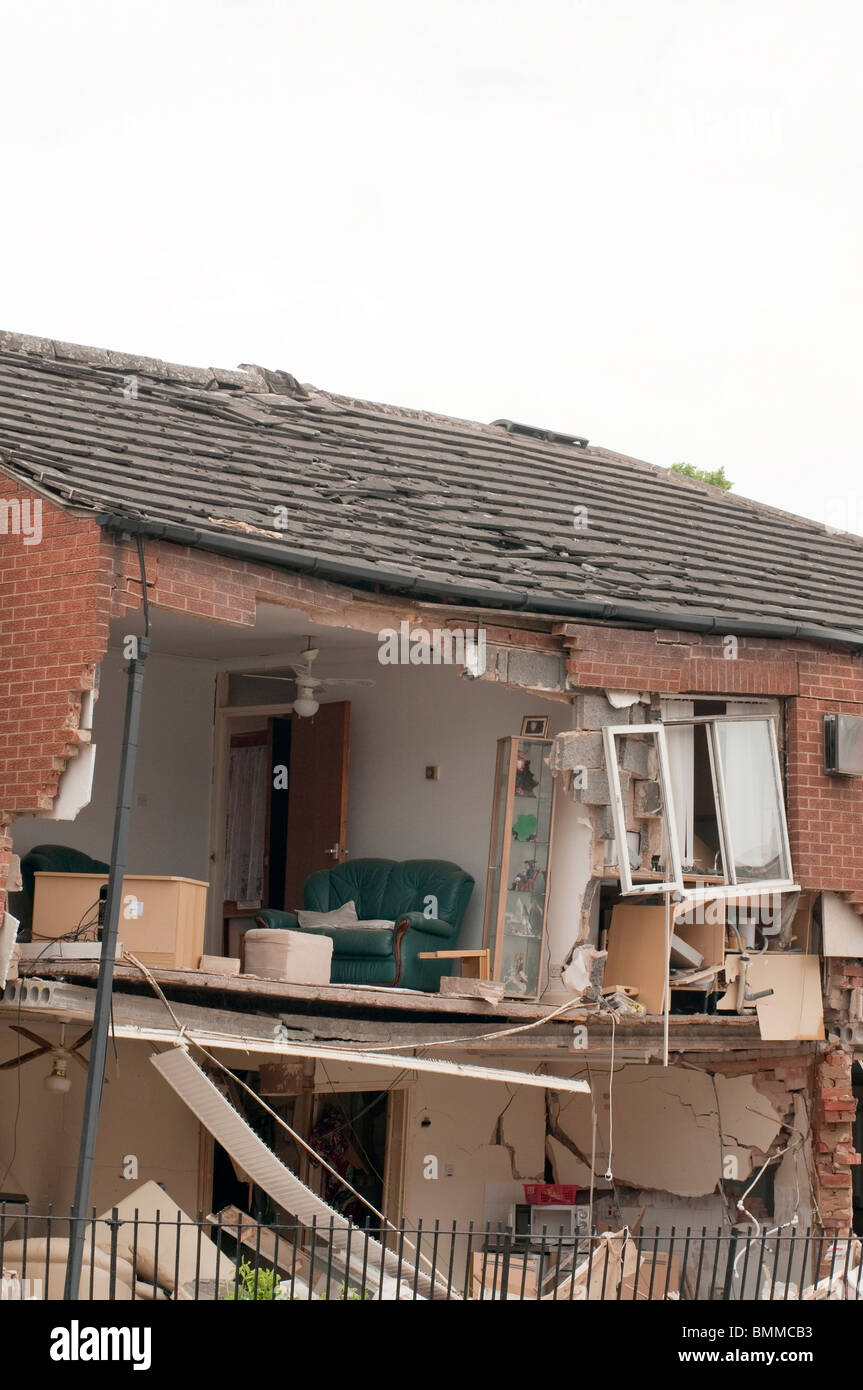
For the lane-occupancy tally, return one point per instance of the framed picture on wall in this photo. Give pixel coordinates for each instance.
(534, 726)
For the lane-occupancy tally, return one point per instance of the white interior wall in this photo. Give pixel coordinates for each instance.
(171, 805)
(39, 1141)
(412, 717)
(419, 716)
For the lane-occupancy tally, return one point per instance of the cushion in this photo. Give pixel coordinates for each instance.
(344, 916)
(386, 888)
(355, 940)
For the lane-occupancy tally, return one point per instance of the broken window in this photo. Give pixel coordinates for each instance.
(732, 828)
(642, 808)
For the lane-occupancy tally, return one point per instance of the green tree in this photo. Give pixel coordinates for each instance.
(716, 479)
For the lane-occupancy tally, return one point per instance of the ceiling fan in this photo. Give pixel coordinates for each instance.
(56, 1080)
(308, 684)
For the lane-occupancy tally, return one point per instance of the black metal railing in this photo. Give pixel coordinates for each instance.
(239, 1259)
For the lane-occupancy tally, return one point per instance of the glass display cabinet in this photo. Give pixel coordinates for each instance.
(516, 896)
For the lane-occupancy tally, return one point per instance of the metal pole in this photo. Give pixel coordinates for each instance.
(102, 1010)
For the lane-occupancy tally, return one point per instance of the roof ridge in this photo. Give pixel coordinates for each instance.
(55, 349)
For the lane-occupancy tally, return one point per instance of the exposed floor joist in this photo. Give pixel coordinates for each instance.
(64, 1001)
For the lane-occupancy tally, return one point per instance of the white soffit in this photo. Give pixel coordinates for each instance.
(251, 1154)
(841, 927)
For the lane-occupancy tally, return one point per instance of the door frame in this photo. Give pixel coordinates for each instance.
(224, 715)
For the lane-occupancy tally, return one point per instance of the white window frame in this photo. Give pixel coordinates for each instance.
(627, 888)
(731, 888)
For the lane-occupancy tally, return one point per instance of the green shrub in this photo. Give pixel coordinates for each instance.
(261, 1284)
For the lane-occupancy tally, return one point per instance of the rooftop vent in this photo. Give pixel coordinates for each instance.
(550, 436)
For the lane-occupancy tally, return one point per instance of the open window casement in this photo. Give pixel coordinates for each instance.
(739, 830)
(642, 807)
(705, 794)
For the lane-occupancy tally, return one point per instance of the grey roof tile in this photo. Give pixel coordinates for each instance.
(409, 493)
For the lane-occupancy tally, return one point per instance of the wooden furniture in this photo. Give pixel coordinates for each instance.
(519, 861)
(475, 965)
(636, 949)
(162, 917)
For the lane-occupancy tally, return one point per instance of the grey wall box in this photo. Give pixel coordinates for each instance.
(843, 745)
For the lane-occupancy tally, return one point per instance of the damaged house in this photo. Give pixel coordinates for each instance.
(468, 753)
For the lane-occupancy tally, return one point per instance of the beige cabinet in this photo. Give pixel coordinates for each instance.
(162, 918)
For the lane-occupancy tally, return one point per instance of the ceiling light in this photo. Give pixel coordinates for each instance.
(305, 707)
(305, 704)
(57, 1080)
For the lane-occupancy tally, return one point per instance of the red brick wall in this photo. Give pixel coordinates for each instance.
(825, 814)
(677, 663)
(56, 599)
(216, 586)
(835, 1155)
(54, 608)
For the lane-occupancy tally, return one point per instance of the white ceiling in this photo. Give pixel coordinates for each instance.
(277, 632)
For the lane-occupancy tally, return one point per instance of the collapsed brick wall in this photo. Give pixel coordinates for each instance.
(779, 1079)
(833, 1117)
(55, 598)
(824, 813)
(824, 1079)
(843, 996)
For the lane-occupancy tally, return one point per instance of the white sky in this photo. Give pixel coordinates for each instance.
(639, 220)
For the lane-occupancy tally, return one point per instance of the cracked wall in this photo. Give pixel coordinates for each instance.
(676, 1130)
(683, 1135)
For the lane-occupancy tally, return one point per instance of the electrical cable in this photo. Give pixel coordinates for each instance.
(479, 1037)
(609, 1174)
(614, 1192)
(72, 935)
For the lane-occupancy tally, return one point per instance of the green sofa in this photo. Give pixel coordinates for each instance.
(399, 892)
(49, 859)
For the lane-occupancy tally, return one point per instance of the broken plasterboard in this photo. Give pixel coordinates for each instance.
(164, 1245)
(841, 928)
(794, 1010)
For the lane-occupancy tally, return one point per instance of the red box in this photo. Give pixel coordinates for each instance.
(550, 1194)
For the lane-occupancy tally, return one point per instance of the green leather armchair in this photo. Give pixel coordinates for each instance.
(49, 859)
(400, 892)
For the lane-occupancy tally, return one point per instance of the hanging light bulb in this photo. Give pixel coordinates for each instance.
(57, 1080)
(305, 705)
